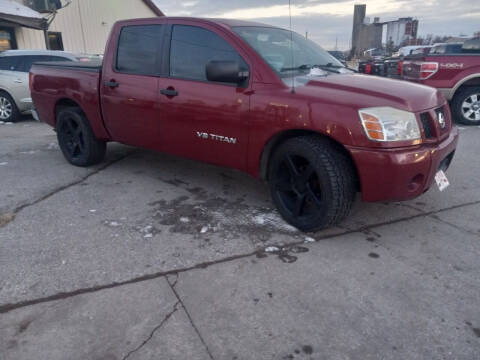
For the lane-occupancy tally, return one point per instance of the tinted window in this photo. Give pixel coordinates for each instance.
(193, 47)
(138, 48)
(10, 63)
(29, 60)
(454, 49)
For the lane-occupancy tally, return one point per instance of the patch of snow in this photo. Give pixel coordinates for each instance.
(31, 152)
(204, 229)
(53, 146)
(2, 122)
(272, 249)
(63, 262)
(184, 220)
(8, 123)
(147, 229)
(148, 236)
(92, 211)
(3, 163)
(309, 240)
(114, 223)
(274, 220)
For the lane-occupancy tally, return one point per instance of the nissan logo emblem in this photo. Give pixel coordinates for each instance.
(441, 120)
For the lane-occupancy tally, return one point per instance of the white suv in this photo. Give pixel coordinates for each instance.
(15, 65)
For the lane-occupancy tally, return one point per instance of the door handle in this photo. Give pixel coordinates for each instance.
(111, 84)
(169, 92)
(18, 81)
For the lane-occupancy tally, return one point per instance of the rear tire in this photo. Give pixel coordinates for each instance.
(76, 138)
(466, 106)
(311, 183)
(8, 109)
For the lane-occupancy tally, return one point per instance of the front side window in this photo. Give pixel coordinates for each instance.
(138, 49)
(192, 48)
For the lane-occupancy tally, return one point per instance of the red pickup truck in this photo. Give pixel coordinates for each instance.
(255, 98)
(457, 76)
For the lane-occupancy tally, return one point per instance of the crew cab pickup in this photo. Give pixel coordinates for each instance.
(255, 98)
(457, 76)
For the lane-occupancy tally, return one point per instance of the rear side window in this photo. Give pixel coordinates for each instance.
(193, 47)
(29, 60)
(10, 63)
(138, 50)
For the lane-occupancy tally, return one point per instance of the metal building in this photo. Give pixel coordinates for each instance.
(402, 31)
(365, 35)
(82, 26)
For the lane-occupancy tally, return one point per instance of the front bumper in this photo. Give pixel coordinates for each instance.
(402, 174)
(35, 115)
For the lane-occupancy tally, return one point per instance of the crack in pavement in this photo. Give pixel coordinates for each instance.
(261, 251)
(189, 317)
(152, 333)
(73, 183)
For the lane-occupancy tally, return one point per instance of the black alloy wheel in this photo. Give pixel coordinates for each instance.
(76, 139)
(312, 182)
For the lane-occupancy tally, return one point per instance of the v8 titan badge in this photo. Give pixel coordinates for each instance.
(441, 180)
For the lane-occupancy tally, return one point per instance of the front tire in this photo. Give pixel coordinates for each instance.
(466, 106)
(76, 139)
(8, 109)
(311, 183)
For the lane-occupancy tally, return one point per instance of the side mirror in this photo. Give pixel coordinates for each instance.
(226, 71)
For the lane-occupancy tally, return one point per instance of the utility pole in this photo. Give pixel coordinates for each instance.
(306, 34)
(336, 43)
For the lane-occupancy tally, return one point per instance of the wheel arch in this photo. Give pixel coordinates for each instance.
(62, 104)
(281, 137)
(471, 80)
(7, 91)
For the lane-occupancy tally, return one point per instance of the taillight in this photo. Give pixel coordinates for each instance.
(30, 81)
(400, 66)
(428, 69)
(368, 69)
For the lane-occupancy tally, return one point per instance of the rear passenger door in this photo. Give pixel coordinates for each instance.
(204, 120)
(14, 80)
(129, 87)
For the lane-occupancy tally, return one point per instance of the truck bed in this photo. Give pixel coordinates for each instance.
(59, 83)
(93, 66)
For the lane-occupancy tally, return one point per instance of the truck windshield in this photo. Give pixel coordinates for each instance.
(288, 53)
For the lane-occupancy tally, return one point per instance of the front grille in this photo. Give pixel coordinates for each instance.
(427, 126)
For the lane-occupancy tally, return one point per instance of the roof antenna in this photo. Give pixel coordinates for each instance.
(291, 44)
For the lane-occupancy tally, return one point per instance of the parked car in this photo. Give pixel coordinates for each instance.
(229, 93)
(15, 96)
(447, 48)
(339, 55)
(393, 65)
(457, 76)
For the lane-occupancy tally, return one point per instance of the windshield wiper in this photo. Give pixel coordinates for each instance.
(301, 67)
(328, 67)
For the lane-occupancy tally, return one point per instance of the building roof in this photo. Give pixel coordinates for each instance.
(12, 12)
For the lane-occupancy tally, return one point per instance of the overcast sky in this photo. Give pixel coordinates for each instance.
(327, 20)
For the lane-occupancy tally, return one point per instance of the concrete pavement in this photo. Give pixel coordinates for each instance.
(148, 256)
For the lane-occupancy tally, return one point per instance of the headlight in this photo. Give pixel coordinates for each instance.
(389, 124)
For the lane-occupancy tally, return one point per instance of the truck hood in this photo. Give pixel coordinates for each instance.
(361, 91)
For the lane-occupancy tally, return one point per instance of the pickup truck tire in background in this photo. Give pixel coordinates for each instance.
(8, 108)
(311, 183)
(76, 138)
(466, 105)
